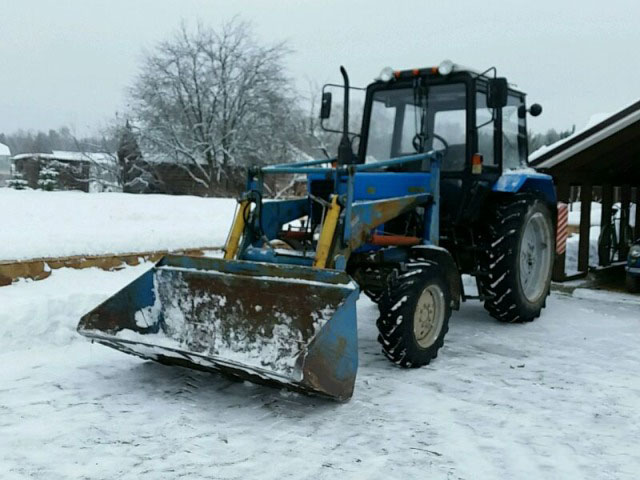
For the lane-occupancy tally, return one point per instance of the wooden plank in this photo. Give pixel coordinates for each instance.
(585, 227)
(625, 200)
(607, 203)
(563, 190)
(40, 268)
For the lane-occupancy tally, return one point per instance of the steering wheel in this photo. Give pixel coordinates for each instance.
(416, 143)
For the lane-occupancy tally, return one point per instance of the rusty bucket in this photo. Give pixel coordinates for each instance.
(286, 325)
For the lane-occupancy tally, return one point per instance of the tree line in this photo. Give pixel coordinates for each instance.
(62, 138)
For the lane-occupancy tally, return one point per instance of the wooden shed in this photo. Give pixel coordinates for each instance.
(602, 160)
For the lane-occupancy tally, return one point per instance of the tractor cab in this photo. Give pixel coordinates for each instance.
(475, 120)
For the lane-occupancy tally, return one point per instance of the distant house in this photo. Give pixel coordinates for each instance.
(5, 164)
(88, 172)
(176, 178)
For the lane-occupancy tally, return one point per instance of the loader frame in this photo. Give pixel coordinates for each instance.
(355, 209)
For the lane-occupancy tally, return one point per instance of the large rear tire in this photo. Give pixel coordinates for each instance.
(414, 315)
(519, 252)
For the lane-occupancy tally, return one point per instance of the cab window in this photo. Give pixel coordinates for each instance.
(485, 128)
(514, 135)
(398, 116)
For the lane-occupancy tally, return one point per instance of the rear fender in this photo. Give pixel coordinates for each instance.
(527, 181)
(445, 261)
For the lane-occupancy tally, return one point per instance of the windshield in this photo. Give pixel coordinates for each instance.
(404, 122)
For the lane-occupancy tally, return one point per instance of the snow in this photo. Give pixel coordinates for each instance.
(596, 213)
(573, 243)
(103, 158)
(4, 150)
(39, 224)
(594, 120)
(557, 398)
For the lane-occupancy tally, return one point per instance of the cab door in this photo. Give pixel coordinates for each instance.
(484, 167)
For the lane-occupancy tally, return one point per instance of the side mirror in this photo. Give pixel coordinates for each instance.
(535, 109)
(498, 92)
(325, 107)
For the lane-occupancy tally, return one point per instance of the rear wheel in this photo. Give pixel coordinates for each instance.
(519, 252)
(414, 315)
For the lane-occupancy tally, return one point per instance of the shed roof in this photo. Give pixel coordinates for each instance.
(4, 150)
(607, 151)
(70, 156)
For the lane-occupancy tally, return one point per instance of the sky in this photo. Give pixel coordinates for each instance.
(70, 62)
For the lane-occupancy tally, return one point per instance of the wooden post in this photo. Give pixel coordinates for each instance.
(625, 200)
(636, 233)
(607, 203)
(585, 227)
(563, 190)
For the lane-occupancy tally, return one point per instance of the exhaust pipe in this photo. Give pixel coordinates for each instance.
(345, 153)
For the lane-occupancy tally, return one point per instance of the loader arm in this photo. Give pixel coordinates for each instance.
(364, 216)
(351, 216)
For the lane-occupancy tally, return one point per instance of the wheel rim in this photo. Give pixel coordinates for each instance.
(429, 316)
(535, 257)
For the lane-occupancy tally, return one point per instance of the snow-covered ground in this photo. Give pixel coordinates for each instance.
(557, 398)
(37, 224)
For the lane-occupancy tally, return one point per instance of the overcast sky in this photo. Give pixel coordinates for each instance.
(69, 62)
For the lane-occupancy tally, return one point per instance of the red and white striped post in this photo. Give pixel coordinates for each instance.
(562, 233)
(562, 230)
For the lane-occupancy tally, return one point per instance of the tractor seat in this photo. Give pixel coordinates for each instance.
(454, 160)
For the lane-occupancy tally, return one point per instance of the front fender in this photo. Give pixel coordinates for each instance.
(445, 261)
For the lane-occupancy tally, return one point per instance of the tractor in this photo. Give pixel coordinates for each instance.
(438, 187)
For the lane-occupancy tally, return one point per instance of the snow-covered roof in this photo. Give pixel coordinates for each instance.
(70, 156)
(4, 150)
(599, 127)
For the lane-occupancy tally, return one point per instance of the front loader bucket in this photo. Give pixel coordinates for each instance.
(276, 324)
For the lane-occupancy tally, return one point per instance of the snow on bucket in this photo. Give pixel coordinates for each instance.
(282, 324)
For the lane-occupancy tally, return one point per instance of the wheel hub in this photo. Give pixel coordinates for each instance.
(429, 316)
(535, 257)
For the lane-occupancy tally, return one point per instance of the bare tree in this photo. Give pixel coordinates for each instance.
(210, 99)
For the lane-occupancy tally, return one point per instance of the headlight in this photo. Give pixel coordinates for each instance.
(386, 74)
(445, 67)
(634, 252)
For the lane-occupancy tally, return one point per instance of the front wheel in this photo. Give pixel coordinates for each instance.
(519, 252)
(414, 315)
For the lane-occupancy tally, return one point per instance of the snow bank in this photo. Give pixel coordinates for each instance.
(574, 213)
(37, 224)
(573, 242)
(47, 312)
(596, 213)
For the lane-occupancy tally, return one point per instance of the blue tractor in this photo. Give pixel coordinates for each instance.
(438, 187)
